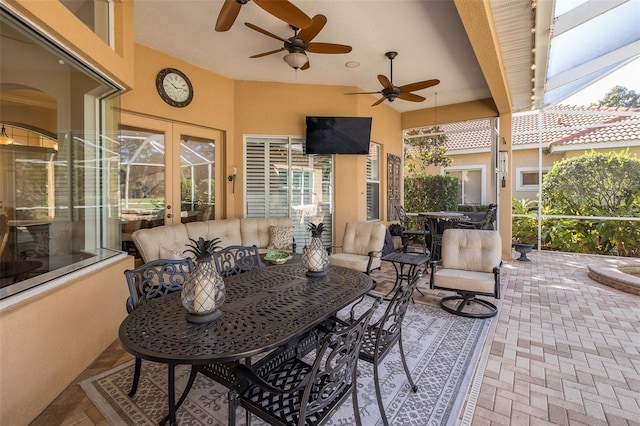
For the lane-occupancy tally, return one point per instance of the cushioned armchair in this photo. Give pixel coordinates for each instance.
(470, 266)
(361, 246)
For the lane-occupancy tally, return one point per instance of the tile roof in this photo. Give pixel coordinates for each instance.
(567, 125)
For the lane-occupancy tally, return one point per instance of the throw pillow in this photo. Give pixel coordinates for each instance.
(172, 253)
(280, 237)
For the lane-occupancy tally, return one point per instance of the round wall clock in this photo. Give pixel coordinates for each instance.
(174, 87)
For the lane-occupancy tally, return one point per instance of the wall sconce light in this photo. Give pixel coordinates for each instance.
(4, 138)
(232, 178)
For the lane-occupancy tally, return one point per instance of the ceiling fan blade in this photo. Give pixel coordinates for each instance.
(328, 48)
(263, 31)
(228, 15)
(411, 97)
(379, 101)
(385, 82)
(362, 93)
(318, 24)
(305, 66)
(419, 85)
(285, 11)
(260, 55)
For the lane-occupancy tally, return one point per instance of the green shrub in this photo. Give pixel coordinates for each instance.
(430, 193)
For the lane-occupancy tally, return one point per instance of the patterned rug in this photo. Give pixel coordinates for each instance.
(442, 352)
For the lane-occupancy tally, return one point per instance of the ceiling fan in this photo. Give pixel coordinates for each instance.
(391, 92)
(300, 43)
(281, 9)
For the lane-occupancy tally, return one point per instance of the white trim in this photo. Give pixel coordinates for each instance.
(520, 170)
(589, 146)
(58, 282)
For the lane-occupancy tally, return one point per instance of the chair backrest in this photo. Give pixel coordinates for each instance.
(363, 237)
(334, 370)
(235, 259)
(155, 279)
(401, 214)
(389, 325)
(489, 218)
(471, 249)
(4, 232)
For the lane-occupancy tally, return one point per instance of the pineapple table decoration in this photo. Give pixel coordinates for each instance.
(203, 292)
(315, 256)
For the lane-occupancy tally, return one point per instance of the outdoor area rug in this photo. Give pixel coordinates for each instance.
(442, 352)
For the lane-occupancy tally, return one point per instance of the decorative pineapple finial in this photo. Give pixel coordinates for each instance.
(316, 230)
(202, 248)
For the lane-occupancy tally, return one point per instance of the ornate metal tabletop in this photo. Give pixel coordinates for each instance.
(264, 308)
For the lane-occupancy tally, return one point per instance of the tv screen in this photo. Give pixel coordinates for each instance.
(338, 135)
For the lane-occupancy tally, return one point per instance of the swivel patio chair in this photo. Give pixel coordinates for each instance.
(149, 281)
(285, 390)
(470, 266)
(382, 335)
(362, 246)
(235, 259)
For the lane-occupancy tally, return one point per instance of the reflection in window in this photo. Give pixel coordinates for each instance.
(59, 179)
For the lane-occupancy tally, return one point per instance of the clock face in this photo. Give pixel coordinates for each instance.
(174, 87)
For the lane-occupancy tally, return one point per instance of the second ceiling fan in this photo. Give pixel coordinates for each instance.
(301, 42)
(391, 92)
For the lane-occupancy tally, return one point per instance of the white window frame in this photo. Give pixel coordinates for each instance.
(471, 168)
(521, 170)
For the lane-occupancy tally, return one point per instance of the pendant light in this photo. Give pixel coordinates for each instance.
(4, 138)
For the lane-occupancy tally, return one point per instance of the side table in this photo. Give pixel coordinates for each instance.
(399, 261)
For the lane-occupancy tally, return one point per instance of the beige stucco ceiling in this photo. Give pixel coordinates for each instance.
(429, 36)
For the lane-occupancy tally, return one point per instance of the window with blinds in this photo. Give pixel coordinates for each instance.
(281, 181)
(373, 182)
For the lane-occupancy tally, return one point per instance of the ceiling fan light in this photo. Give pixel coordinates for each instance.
(4, 138)
(295, 59)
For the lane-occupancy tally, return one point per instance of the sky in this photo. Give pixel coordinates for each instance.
(628, 76)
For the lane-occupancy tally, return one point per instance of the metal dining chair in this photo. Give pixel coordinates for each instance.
(382, 335)
(285, 390)
(236, 259)
(152, 280)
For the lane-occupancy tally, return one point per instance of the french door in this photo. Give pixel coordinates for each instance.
(168, 172)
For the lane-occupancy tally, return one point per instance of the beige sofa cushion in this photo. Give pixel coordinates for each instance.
(149, 241)
(255, 231)
(227, 230)
(471, 249)
(353, 261)
(363, 237)
(456, 279)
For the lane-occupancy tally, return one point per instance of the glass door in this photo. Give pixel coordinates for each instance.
(167, 174)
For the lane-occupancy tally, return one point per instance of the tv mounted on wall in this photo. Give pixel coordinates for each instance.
(338, 135)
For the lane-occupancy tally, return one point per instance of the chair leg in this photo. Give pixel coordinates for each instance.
(136, 377)
(233, 406)
(356, 407)
(465, 300)
(414, 388)
(376, 381)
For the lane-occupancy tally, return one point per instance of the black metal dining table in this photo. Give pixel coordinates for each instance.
(437, 223)
(264, 309)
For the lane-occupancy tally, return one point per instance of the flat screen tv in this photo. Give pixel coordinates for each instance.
(338, 135)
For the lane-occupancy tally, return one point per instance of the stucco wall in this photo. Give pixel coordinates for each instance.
(50, 338)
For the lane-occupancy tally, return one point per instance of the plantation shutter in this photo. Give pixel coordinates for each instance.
(281, 181)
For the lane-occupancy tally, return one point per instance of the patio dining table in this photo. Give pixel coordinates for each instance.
(264, 309)
(438, 222)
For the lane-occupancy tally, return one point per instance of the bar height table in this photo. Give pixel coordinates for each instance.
(438, 222)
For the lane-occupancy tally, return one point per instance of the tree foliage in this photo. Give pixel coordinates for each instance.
(594, 184)
(425, 147)
(620, 96)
